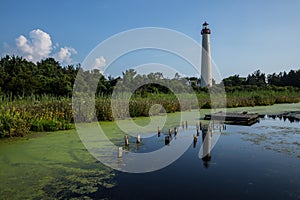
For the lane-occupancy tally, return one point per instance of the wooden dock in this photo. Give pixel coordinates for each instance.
(234, 118)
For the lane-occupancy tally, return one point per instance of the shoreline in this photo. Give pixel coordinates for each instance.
(288, 110)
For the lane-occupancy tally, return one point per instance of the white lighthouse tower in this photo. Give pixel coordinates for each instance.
(206, 76)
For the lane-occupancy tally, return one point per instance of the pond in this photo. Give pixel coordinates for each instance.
(261, 161)
(257, 162)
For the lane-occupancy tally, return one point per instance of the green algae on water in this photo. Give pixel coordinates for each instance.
(51, 166)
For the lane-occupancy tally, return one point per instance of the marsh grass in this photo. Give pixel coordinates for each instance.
(262, 97)
(47, 113)
(19, 117)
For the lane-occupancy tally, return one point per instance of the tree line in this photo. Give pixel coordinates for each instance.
(292, 78)
(21, 78)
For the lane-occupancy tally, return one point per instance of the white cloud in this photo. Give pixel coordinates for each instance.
(23, 45)
(39, 46)
(99, 63)
(64, 54)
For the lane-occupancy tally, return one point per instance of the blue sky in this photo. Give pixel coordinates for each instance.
(246, 35)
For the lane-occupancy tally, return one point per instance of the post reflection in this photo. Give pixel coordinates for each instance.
(206, 143)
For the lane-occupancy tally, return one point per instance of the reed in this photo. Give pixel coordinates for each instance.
(48, 113)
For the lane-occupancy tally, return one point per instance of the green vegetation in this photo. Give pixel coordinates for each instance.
(37, 97)
(260, 79)
(240, 96)
(20, 78)
(19, 117)
(57, 165)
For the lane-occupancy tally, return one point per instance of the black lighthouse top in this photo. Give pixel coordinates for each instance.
(205, 29)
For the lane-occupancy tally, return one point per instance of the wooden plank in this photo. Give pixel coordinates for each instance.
(235, 118)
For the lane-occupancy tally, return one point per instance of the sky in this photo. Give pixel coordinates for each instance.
(245, 35)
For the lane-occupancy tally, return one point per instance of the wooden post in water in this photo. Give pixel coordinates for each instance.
(195, 138)
(120, 151)
(170, 131)
(138, 139)
(195, 141)
(186, 124)
(197, 125)
(200, 126)
(126, 140)
(182, 124)
(175, 131)
(198, 132)
(158, 132)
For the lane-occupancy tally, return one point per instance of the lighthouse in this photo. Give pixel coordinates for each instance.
(206, 76)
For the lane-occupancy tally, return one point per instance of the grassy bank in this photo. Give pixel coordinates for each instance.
(19, 117)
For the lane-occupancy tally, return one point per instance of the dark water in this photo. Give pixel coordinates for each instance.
(257, 162)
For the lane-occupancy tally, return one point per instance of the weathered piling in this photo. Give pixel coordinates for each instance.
(175, 131)
(198, 132)
(158, 132)
(195, 141)
(138, 139)
(186, 124)
(200, 124)
(170, 131)
(126, 140)
(182, 123)
(195, 138)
